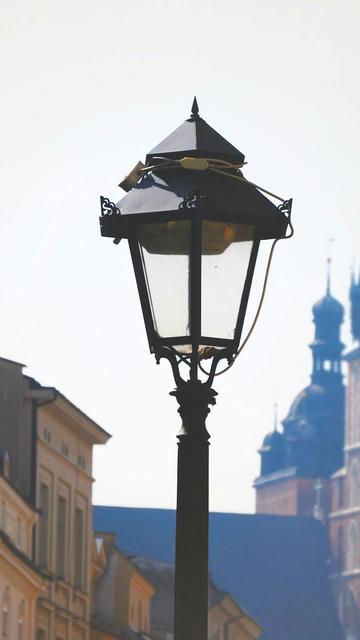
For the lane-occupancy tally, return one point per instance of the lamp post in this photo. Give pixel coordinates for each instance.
(194, 225)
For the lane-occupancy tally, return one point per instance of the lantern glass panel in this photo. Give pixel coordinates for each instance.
(226, 250)
(165, 251)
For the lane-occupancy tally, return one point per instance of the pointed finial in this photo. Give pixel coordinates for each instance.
(275, 416)
(329, 261)
(195, 108)
(328, 279)
(352, 274)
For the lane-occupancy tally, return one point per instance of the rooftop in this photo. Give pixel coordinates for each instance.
(276, 567)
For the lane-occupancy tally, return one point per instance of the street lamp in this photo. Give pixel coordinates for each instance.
(194, 225)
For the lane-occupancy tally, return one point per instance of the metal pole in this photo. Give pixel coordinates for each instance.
(192, 513)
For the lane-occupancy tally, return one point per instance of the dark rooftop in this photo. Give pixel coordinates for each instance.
(274, 566)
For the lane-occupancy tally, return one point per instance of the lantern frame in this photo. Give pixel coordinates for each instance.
(192, 181)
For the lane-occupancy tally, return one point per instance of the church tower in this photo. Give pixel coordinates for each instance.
(345, 516)
(355, 307)
(296, 464)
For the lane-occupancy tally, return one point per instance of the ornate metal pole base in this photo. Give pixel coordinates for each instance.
(192, 514)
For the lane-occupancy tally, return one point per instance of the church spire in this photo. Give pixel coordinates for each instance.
(275, 417)
(355, 305)
(328, 277)
(327, 347)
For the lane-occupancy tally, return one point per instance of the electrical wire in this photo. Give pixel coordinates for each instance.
(214, 166)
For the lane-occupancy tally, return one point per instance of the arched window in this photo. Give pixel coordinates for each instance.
(351, 616)
(5, 610)
(353, 546)
(21, 631)
(340, 550)
(354, 484)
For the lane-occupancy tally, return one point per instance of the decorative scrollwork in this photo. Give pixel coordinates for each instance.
(285, 207)
(108, 208)
(196, 199)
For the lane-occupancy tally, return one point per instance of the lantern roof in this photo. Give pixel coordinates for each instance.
(196, 138)
(175, 192)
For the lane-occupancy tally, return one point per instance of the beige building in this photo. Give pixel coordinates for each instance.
(121, 604)
(50, 444)
(227, 621)
(20, 580)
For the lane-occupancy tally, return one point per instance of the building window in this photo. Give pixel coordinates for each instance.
(354, 484)
(65, 449)
(44, 525)
(140, 615)
(81, 461)
(21, 622)
(3, 515)
(79, 547)
(47, 436)
(215, 631)
(353, 546)
(6, 613)
(41, 635)
(18, 533)
(61, 537)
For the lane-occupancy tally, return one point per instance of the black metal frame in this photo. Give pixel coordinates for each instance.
(118, 226)
(165, 347)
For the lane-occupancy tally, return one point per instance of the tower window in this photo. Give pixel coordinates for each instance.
(340, 550)
(327, 365)
(353, 546)
(354, 484)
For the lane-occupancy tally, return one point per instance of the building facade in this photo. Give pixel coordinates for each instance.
(227, 620)
(345, 514)
(121, 594)
(50, 444)
(21, 582)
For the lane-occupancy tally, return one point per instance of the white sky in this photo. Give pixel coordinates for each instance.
(87, 89)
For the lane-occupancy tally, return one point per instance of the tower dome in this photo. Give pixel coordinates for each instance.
(272, 450)
(328, 307)
(310, 402)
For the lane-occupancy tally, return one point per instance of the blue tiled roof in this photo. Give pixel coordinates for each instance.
(274, 566)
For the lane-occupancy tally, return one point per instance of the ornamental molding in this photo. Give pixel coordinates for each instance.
(285, 207)
(196, 199)
(108, 208)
